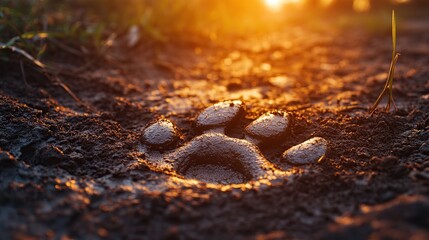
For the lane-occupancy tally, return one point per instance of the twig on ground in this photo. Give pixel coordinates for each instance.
(22, 53)
(42, 68)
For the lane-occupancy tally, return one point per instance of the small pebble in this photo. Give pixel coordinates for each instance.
(310, 151)
(7, 160)
(160, 133)
(269, 126)
(220, 114)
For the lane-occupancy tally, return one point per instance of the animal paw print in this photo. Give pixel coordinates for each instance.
(214, 157)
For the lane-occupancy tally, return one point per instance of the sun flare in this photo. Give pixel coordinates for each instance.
(277, 4)
(273, 3)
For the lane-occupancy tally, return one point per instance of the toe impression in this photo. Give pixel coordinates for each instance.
(218, 116)
(160, 134)
(270, 126)
(310, 151)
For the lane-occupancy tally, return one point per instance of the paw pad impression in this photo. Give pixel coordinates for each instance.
(214, 157)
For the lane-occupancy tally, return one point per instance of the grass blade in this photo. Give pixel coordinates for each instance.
(392, 71)
(11, 42)
(393, 34)
(388, 87)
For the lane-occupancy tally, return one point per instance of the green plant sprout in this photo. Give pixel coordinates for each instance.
(10, 45)
(389, 82)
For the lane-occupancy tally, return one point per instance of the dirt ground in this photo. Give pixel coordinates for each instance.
(69, 171)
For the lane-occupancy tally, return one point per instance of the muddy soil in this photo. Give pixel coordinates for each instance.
(69, 171)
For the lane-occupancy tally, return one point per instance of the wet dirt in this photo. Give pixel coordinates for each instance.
(70, 172)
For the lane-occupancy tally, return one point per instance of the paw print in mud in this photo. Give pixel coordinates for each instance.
(214, 157)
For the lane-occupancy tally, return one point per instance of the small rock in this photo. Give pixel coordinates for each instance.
(133, 36)
(310, 151)
(269, 126)
(7, 160)
(220, 114)
(161, 133)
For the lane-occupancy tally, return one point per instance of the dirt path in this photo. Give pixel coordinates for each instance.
(81, 174)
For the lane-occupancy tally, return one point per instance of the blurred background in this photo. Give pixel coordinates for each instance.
(91, 22)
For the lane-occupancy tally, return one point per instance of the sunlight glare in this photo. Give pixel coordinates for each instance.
(277, 4)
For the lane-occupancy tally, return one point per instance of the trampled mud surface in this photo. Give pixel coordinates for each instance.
(71, 171)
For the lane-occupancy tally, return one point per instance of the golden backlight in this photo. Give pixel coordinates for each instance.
(277, 4)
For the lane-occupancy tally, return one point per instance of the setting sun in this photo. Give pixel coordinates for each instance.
(276, 4)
